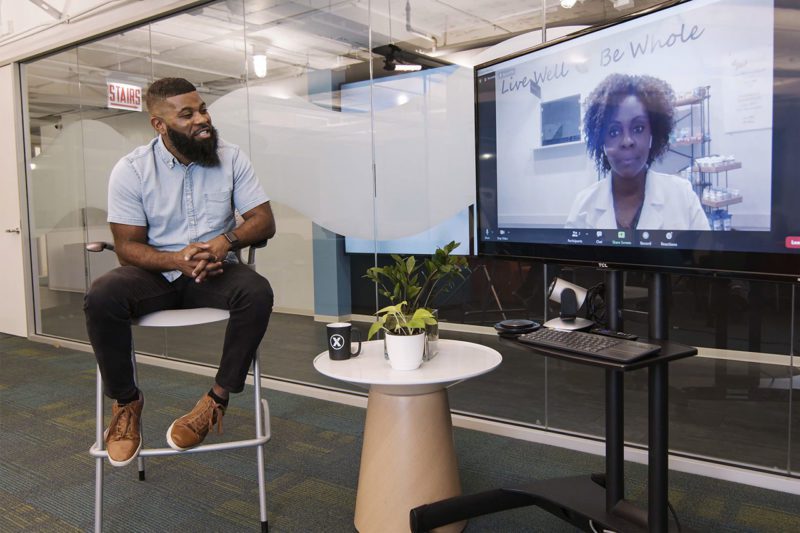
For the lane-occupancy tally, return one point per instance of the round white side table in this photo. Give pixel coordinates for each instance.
(408, 458)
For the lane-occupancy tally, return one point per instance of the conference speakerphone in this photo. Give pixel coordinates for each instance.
(614, 349)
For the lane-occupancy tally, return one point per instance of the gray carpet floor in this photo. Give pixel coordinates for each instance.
(47, 475)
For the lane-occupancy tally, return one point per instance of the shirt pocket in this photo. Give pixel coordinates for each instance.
(219, 209)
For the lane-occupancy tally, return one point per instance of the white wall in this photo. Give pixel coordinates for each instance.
(14, 309)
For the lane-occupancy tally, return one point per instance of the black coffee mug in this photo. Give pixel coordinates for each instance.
(339, 341)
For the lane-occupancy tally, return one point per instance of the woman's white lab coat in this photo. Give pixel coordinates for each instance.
(669, 204)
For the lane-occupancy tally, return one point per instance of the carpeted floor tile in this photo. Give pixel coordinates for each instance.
(47, 475)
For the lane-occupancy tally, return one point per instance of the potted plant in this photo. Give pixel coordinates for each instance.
(405, 334)
(419, 284)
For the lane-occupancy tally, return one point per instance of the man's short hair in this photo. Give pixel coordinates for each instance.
(165, 88)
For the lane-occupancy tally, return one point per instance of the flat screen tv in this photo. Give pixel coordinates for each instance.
(686, 155)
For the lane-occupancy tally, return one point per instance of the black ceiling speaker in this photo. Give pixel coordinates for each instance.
(393, 54)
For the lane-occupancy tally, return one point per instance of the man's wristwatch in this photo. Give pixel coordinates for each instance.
(233, 240)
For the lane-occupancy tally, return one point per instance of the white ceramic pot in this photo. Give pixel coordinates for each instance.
(405, 351)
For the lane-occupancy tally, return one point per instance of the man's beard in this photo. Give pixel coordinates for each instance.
(200, 151)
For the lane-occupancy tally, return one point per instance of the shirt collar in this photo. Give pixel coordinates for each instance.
(649, 217)
(165, 155)
(653, 194)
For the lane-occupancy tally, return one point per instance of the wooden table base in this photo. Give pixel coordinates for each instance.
(408, 459)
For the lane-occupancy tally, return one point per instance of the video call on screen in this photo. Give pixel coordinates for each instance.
(730, 109)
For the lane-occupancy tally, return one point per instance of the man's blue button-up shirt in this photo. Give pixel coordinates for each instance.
(181, 204)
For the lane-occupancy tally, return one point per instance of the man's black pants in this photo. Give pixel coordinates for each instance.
(128, 292)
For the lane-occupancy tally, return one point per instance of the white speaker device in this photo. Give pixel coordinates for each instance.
(571, 298)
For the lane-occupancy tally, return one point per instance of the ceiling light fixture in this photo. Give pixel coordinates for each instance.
(260, 65)
(568, 4)
(400, 67)
(620, 5)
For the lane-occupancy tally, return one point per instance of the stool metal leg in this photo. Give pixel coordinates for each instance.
(260, 427)
(140, 458)
(98, 462)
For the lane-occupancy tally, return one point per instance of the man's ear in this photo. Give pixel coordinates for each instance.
(158, 124)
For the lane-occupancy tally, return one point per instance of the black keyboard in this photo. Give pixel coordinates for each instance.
(620, 350)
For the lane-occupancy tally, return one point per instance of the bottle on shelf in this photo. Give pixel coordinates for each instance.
(708, 174)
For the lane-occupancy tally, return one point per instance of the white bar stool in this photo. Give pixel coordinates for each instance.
(178, 318)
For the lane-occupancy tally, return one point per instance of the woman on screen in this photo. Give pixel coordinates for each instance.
(627, 126)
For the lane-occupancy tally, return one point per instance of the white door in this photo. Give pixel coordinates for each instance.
(13, 309)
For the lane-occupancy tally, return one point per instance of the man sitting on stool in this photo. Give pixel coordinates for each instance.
(171, 210)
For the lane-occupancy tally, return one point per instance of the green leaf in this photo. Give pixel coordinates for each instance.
(418, 282)
(422, 313)
(410, 263)
(391, 309)
(373, 329)
(415, 323)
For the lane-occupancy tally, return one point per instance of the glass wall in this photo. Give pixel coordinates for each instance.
(58, 201)
(363, 158)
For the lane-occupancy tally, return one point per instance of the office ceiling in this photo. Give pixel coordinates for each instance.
(213, 45)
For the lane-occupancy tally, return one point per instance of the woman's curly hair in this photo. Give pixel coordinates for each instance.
(656, 96)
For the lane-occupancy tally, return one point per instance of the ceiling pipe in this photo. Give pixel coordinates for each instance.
(65, 19)
(412, 30)
(47, 8)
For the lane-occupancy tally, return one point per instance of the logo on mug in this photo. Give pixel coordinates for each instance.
(337, 341)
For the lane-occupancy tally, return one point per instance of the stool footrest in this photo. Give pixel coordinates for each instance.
(151, 452)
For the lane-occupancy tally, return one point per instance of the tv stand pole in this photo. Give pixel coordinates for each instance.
(658, 435)
(658, 321)
(613, 297)
(658, 408)
(615, 399)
